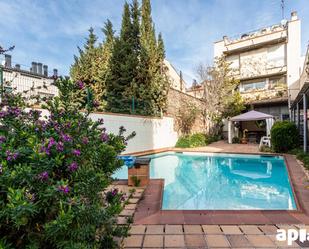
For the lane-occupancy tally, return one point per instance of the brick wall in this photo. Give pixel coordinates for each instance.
(175, 100)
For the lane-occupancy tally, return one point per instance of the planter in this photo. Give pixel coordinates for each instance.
(138, 175)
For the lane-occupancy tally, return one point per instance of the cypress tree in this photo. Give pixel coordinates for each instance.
(101, 66)
(82, 67)
(122, 68)
(153, 89)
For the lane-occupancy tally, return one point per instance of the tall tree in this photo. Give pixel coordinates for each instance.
(221, 99)
(154, 87)
(122, 68)
(82, 67)
(101, 66)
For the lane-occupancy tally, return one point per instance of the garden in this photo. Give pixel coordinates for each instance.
(54, 170)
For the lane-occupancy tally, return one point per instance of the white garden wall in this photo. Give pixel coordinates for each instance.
(151, 133)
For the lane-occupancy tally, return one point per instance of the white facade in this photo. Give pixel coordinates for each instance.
(177, 82)
(21, 81)
(267, 62)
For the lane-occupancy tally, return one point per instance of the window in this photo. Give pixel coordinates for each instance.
(277, 81)
(253, 85)
(276, 56)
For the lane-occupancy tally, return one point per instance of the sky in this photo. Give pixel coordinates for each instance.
(49, 31)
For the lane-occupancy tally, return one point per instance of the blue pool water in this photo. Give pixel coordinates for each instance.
(215, 181)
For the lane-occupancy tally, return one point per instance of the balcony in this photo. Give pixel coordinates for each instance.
(274, 94)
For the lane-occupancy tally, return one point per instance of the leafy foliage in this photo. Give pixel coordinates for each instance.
(221, 97)
(284, 136)
(186, 117)
(92, 65)
(195, 140)
(53, 172)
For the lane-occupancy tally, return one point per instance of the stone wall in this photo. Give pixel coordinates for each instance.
(175, 103)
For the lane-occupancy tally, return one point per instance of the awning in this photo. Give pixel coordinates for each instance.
(251, 116)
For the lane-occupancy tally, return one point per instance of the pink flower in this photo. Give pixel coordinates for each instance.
(43, 176)
(73, 166)
(76, 152)
(64, 189)
(85, 140)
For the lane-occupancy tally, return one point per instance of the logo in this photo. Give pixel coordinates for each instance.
(291, 235)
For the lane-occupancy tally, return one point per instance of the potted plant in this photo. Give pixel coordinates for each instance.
(244, 139)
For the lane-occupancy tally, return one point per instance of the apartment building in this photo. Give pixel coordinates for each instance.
(267, 62)
(175, 77)
(34, 81)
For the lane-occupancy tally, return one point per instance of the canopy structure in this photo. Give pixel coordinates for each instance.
(250, 116)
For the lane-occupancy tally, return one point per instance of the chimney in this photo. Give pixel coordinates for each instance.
(8, 60)
(34, 67)
(17, 66)
(55, 73)
(40, 68)
(294, 15)
(45, 70)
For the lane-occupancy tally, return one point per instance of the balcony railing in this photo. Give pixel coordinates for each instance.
(275, 93)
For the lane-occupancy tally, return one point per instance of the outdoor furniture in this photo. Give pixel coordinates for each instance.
(265, 141)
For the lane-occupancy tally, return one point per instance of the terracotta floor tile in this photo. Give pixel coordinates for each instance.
(130, 206)
(193, 229)
(250, 229)
(238, 241)
(193, 240)
(127, 212)
(217, 241)
(153, 241)
(269, 229)
(231, 230)
(174, 241)
(212, 229)
(260, 241)
(154, 229)
(133, 241)
(173, 229)
(133, 200)
(137, 229)
(122, 220)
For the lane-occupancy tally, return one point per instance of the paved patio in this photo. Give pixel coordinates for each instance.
(208, 236)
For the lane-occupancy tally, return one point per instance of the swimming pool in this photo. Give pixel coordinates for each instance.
(215, 181)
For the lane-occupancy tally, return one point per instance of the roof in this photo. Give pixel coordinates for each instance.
(251, 115)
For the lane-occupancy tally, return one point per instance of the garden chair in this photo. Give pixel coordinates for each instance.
(265, 141)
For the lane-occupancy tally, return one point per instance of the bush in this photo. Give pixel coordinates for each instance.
(265, 148)
(284, 136)
(236, 140)
(52, 174)
(195, 140)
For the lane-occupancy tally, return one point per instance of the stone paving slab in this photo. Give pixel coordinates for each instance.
(207, 236)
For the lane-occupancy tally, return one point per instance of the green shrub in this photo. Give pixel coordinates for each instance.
(183, 142)
(195, 140)
(264, 148)
(198, 139)
(236, 140)
(53, 172)
(284, 136)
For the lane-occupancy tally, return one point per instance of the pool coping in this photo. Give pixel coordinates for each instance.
(149, 209)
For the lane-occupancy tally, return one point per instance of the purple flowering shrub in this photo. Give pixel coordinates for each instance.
(52, 173)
